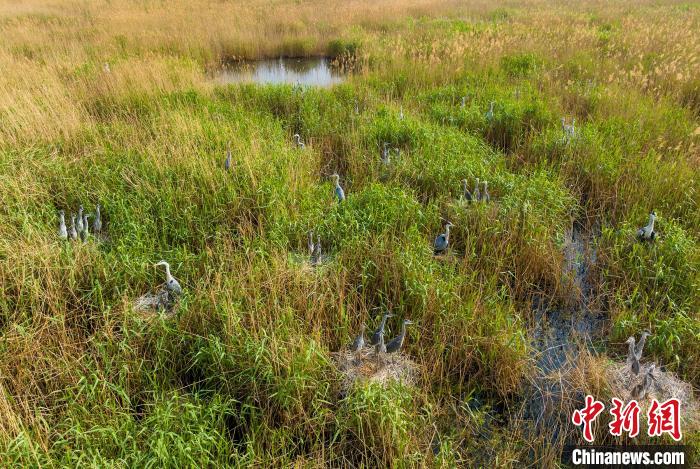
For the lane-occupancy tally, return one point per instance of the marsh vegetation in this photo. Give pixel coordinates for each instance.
(115, 102)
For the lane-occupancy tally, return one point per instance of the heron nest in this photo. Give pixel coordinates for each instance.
(365, 366)
(152, 304)
(666, 386)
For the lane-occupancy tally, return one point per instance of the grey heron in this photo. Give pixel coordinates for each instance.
(647, 233)
(227, 161)
(316, 255)
(85, 232)
(339, 192)
(442, 240)
(641, 390)
(62, 230)
(476, 194)
(298, 142)
(359, 341)
(171, 283)
(639, 347)
(385, 157)
(73, 233)
(380, 330)
(310, 244)
(97, 222)
(489, 113)
(80, 219)
(568, 129)
(380, 347)
(632, 359)
(466, 195)
(395, 344)
(485, 196)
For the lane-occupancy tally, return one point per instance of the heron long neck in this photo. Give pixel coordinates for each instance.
(631, 348)
(640, 344)
(168, 275)
(447, 232)
(651, 222)
(383, 323)
(403, 332)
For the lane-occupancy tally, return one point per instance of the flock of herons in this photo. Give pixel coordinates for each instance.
(171, 291)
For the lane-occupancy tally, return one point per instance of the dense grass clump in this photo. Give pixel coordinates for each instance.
(245, 371)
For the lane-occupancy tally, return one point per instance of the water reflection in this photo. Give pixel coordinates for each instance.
(316, 71)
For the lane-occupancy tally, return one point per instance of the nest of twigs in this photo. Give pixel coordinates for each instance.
(665, 385)
(366, 366)
(152, 304)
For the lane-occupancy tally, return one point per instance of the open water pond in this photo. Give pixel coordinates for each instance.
(315, 71)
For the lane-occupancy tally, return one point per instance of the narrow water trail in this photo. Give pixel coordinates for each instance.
(559, 333)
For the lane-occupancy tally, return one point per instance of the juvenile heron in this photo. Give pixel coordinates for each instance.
(171, 283)
(632, 359)
(489, 113)
(466, 195)
(464, 102)
(80, 219)
(380, 330)
(568, 129)
(85, 232)
(401, 113)
(639, 347)
(476, 193)
(339, 192)
(386, 157)
(380, 347)
(97, 222)
(310, 243)
(647, 233)
(298, 142)
(227, 161)
(641, 390)
(73, 233)
(395, 344)
(62, 230)
(316, 254)
(485, 196)
(359, 341)
(442, 241)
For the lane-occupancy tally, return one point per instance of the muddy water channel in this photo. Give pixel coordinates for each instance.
(560, 333)
(315, 71)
